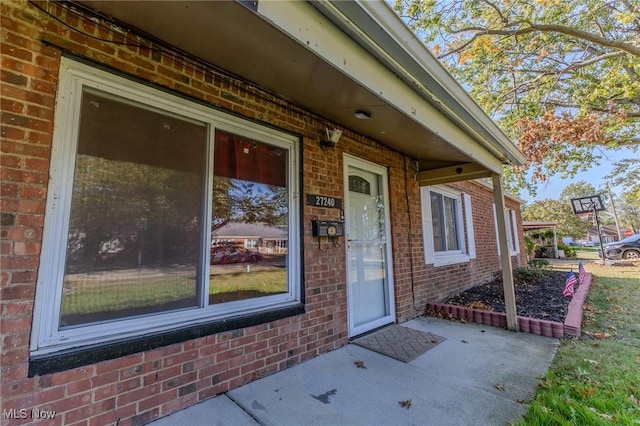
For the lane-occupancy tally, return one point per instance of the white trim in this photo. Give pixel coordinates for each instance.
(512, 229)
(495, 228)
(74, 76)
(468, 218)
(427, 226)
(467, 250)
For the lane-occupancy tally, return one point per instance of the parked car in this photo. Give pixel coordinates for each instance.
(585, 243)
(232, 254)
(627, 248)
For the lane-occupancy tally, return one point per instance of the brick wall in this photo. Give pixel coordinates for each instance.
(141, 387)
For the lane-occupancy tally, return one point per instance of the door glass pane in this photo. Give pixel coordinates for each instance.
(136, 213)
(367, 277)
(367, 248)
(249, 232)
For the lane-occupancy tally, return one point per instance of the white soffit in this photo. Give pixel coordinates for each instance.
(398, 74)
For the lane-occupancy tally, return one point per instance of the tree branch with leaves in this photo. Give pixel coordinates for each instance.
(561, 78)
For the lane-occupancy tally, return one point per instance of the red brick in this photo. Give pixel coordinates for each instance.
(17, 292)
(14, 51)
(13, 106)
(9, 190)
(16, 372)
(73, 375)
(119, 363)
(11, 133)
(14, 78)
(20, 248)
(90, 410)
(117, 388)
(18, 176)
(43, 139)
(16, 309)
(157, 400)
(114, 417)
(139, 394)
(92, 382)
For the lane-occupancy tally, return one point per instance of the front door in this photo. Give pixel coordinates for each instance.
(369, 271)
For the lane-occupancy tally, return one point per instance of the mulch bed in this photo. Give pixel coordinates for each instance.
(536, 297)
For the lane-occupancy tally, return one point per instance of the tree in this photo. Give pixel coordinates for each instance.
(625, 174)
(629, 211)
(561, 78)
(577, 190)
(558, 212)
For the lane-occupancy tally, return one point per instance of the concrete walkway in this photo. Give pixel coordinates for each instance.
(478, 376)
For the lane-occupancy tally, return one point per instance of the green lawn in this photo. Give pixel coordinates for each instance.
(595, 379)
(130, 292)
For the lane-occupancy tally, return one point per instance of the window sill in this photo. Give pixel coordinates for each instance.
(452, 259)
(78, 357)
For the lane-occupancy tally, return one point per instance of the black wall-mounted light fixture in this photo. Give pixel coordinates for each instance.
(331, 140)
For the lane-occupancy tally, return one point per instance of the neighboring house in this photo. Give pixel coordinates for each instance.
(609, 234)
(253, 236)
(132, 129)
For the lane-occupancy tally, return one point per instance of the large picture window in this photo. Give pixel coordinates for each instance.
(165, 213)
(447, 226)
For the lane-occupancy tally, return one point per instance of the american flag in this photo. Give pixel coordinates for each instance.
(568, 287)
(582, 274)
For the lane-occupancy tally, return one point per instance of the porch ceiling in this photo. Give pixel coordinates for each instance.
(236, 38)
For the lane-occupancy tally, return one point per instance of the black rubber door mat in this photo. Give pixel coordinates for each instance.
(401, 343)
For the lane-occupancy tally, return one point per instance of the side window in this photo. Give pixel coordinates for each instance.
(512, 228)
(447, 226)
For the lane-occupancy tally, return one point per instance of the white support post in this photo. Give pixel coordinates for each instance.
(505, 257)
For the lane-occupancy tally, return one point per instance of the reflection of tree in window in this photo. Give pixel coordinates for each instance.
(249, 182)
(249, 187)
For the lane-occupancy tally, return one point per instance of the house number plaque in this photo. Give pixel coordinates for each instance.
(324, 201)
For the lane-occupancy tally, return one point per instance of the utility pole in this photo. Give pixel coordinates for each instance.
(615, 214)
(593, 207)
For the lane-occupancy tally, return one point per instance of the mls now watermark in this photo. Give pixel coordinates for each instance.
(23, 413)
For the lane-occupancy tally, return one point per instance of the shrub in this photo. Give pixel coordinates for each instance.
(532, 274)
(538, 264)
(530, 245)
(568, 250)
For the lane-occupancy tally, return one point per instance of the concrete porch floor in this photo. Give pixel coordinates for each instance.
(478, 375)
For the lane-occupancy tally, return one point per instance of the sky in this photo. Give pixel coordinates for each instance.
(595, 176)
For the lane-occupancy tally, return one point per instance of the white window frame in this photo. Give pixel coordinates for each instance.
(511, 223)
(74, 76)
(466, 236)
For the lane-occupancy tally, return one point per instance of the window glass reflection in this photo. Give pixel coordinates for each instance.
(249, 235)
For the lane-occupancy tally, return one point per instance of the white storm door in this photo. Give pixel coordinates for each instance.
(369, 270)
